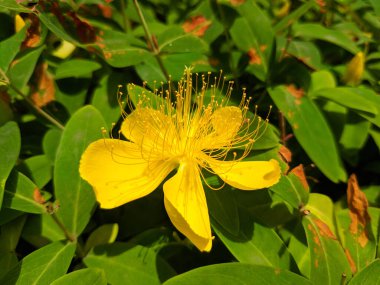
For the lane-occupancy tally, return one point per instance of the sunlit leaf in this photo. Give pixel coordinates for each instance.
(76, 198)
(237, 273)
(10, 142)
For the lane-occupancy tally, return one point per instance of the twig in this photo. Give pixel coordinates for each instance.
(30, 102)
(151, 43)
(282, 128)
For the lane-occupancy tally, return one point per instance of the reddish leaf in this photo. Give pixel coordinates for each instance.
(358, 205)
(33, 34)
(197, 25)
(43, 89)
(299, 172)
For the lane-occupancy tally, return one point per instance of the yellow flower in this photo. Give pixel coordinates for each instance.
(163, 136)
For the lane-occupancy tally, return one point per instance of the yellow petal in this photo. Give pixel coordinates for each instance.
(118, 173)
(185, 203)
(151, 129)
(247, 175)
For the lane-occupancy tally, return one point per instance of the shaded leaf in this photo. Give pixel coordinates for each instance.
(102, 235)
(222, 205)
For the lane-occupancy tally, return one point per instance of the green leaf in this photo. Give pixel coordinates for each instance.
(347, 97)
(222, 205)
(7, 215)
(38, 168)
(102, 235)
(255, 244)
(105, 97)
(290, 19)
(298, 248)
(245, 40)
(72, 92)
(76, 68)
(376, 6)
(76, 198)
(311, 130)
(369, 275)
(329, 264)
(88, 276)
(40, 230)
(10, 234)
(291, 189)
(22, 68)
(175, 41)
(50, 143)
(354, 136)
(306, 52)
(52, 23)
(7, 261)
(138, 95)
(322, 207)
(321, 80)
(360, 247)
(41, 266)
(10, 143)
(126, 263)
(19, 194)
(318, 32)
(120, 50)
(237, 273)
(13, 5)
(10, 47)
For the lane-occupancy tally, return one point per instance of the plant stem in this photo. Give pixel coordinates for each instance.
(126, 24)
(38, 109)
(282, 128)
(30, 102)
(68, 235)
(151, 44)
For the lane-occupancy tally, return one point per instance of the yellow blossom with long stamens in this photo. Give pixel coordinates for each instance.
(175, 133)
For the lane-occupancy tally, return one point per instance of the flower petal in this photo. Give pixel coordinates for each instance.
(150, 128)
(185, 203)
(247, 175)
(118, 173)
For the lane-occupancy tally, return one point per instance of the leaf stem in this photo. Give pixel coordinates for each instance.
(152, 44)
